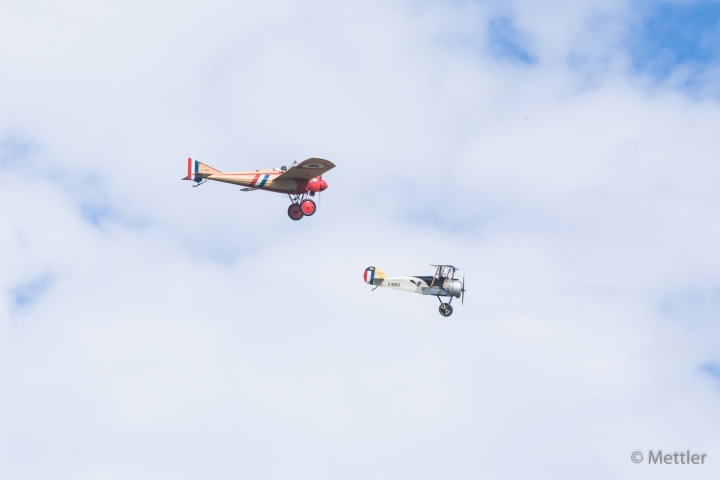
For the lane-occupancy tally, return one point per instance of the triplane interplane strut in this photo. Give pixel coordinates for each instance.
(297, 182)
(442, 284)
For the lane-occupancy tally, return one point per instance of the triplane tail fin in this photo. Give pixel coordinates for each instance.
(371, 273)
(197, 170)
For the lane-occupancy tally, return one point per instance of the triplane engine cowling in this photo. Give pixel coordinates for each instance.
(454, 288)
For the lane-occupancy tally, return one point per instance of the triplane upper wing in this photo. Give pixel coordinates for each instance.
(444, 265)
(308, 169)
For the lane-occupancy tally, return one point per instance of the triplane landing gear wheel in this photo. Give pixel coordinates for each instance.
(295, 212)
(446, 309)
(308, 207)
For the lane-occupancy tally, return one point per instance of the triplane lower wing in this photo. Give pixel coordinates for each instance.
(300, 181)
(442, 284)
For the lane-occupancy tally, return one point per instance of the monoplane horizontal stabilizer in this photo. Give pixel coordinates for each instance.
(198, 170)
(248, 189)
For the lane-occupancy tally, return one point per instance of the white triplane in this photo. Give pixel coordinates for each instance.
(442, 284)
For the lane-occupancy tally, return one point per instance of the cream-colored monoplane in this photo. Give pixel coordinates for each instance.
(297, 182)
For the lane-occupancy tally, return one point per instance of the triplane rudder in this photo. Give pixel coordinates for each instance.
(442, 284)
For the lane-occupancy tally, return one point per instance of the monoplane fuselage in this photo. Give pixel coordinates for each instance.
(298, 181)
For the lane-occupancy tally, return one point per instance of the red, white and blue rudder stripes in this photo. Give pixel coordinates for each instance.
(193, 166)
(369, 275)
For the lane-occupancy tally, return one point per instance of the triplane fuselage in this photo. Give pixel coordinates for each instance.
(297, 182)
(442, 284)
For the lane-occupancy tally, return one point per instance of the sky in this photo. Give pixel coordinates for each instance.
(564, 155)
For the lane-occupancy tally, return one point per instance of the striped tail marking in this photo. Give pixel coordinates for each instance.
(193, 166)
(369, 275)
(259, 180)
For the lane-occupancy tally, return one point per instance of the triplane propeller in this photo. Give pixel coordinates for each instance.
(442, 284)
(297, 182)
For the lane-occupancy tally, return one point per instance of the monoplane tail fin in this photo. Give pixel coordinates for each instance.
(198, 170)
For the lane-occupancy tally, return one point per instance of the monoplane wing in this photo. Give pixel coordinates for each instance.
(308, 169)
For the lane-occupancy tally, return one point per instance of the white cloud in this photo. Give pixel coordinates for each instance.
(190, 333)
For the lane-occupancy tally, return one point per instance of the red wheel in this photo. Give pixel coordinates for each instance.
(308, 207)
(295, 212)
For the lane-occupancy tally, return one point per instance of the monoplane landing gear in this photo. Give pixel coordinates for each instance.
(446, 309)
(308, 207)
(295, 212)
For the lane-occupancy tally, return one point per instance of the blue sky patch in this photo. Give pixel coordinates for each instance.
(95, 214)
(101, 214)
(673, 35)
(712, 369)
(14, 148)
(28, 294)
(508, 43)
(692, 304)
